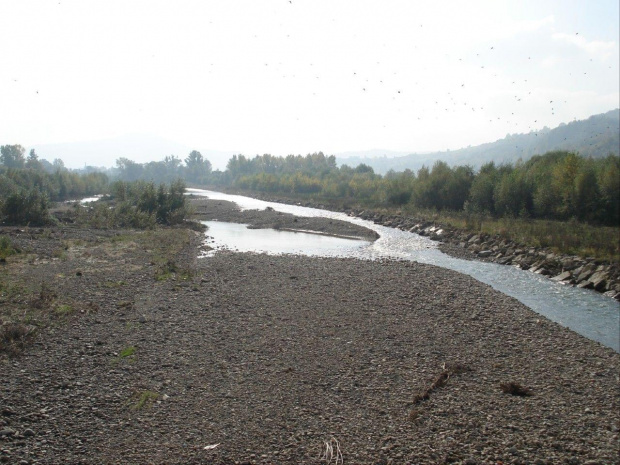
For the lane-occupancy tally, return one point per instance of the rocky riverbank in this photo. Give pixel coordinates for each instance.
(583, 272)
(151, 355)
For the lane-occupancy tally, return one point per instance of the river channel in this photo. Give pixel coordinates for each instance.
(586, 312)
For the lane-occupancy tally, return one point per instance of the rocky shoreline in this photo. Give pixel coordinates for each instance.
(586, 273)
(583, 272)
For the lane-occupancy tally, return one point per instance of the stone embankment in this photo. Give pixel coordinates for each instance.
(585, 273)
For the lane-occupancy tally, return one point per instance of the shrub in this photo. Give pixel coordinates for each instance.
(30, 208)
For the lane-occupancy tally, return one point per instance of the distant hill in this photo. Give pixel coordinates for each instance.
(597, 136)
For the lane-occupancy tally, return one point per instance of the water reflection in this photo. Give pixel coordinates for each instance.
(238, 237)
(586, 312)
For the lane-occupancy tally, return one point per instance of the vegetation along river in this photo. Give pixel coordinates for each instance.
(585, 312)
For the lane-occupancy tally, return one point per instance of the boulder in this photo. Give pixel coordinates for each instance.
(585, 285)
(599, 280)
(562, 276)
(584, 275)
(484, 253)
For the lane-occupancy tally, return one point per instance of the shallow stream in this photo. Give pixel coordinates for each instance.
(585, 312)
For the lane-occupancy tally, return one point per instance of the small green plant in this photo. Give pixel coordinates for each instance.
(63, 310)
(60, 252)
(143, 399)
(6, 247)
(127, 352)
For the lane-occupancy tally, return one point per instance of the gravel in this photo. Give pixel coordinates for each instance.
(270, 359)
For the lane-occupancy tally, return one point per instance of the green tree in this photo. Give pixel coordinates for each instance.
(12, 156)
(32, 162)
(587, 193)
(58, 164)
(482, 188)
(197, 168)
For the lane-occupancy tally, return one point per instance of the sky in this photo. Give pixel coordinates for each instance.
(302, 76)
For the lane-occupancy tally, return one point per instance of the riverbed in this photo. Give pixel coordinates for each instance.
(586, 312)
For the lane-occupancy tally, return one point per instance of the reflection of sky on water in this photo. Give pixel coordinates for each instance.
(586, 312)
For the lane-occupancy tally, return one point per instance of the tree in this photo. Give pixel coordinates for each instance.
(128, 170)
(197, 168)
(482, 188)
(12, 156)
(33, 162)
(58, 164)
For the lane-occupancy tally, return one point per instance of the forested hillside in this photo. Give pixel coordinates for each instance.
(597, 137)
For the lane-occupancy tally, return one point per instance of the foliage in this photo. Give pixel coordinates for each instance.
(6, 248)
(57, 186)
(556, 186)
(127, 352)
(137, 204)
(143, 399)
(26, 208)
(12, 156)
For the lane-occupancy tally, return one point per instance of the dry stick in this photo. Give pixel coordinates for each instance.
(440, 381)
(331, 453)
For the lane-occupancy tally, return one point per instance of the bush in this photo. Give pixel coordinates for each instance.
(30, 208)
(6, 247)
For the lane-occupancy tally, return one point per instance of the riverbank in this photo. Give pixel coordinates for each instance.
(572, 270)
(265, 359)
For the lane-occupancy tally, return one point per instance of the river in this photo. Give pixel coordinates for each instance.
(584, 311)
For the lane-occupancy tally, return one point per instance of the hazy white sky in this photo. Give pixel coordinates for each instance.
(299, 76)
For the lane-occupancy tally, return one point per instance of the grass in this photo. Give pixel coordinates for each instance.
(28, 305)
(60, 253)
(63, 310)
(565, 237)
(6, 248)
(143, 399)
(169, 244)
(15, 336)
(127, 352)
(170, 270)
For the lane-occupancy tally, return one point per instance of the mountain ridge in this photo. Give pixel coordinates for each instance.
(596, 136)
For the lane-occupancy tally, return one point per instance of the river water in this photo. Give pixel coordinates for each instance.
(585, 312)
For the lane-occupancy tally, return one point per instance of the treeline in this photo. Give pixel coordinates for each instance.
(196, 169)
(27, 186)
(19, 175)
(558, 185)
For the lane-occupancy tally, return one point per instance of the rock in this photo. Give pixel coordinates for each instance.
(585, 285)
(7, 432)
(28, 433)
(562, 276)
(599, 280)
(484, 253)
